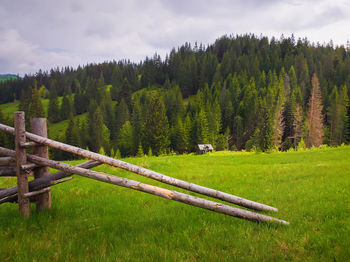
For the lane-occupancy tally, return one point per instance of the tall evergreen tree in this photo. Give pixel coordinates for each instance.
(36, 107)
(314, 115)
(337, 113)
(125, 139)
(121, 115)
(72, 136)
(54, 110)
(157, 126)
(96, 126)
(66, 108)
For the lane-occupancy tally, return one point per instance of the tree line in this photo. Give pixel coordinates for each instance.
(242, 92)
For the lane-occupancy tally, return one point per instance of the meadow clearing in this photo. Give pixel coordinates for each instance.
(94, 221)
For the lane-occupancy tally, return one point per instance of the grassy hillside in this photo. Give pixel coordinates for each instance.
(54, 129)
(59, 128)
(93, 221)
(7, 77)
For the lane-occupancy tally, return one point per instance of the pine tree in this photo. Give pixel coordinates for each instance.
(137, 125)
(72, 136)
(36, 108)
(298, 124)
(157, 126)
(337, 113)
(178, 137)
(238, 132)
(125, 142)
(96, 130)
(66, 108)
(202, 129)
(140, 152)
(121, 116)
(80, 101)
(314, 115)
(117, 81)
(53, 111)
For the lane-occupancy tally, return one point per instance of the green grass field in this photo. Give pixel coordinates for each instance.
(94, 221)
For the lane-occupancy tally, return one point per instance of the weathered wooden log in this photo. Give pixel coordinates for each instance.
(38, 192)
(146, 172)
(10, 198)
(42, 182)
(154, 190)
(21, 159)
(7, 171)
(38, 127)
(6, 161)
(29, 144)
(28, 167)
(61, 181)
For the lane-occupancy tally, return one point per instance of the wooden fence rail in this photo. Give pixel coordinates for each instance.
(146, 172)
(154, 190)
(39, 189)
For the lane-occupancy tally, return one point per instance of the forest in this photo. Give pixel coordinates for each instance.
(243, 92)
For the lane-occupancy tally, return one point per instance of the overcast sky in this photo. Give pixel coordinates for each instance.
(42, 34)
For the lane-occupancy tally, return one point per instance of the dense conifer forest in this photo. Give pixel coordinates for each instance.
(242, 92)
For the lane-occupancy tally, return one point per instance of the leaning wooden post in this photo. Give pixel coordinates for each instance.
(21, 159)
(38, 127)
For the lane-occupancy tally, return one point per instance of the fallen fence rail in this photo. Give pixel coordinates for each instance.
(154, 190)
(39, 189)
(145, 172)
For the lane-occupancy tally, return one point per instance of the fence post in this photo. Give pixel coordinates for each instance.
(21, 159)
(38, 127)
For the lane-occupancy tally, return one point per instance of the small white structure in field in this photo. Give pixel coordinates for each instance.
(204, 148)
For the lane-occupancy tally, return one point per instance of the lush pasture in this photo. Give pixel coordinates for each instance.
(93, 221)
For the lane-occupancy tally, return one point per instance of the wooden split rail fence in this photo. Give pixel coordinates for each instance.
(21, 164)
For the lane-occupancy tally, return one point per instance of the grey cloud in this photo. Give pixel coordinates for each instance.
(43, 34)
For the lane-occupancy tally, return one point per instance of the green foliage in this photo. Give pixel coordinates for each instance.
(156, 125)
(53, 111)
(301, 145)
(239, 83)
(125, 142)
(118, 155)
(140, 151)
(337, 113)
(36, 108)
(66, 107)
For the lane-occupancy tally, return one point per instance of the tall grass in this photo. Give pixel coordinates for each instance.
(93, 221)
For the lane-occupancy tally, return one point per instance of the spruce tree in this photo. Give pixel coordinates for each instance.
(314, 115)
(298, 124)
(125, 142)
(202, 131)
(53, 111)
(121, 116)
(157, 126)
(337, 113)
(96, 130)
(72, 136)
(36, 108)
(66, 108)
(117, 81)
